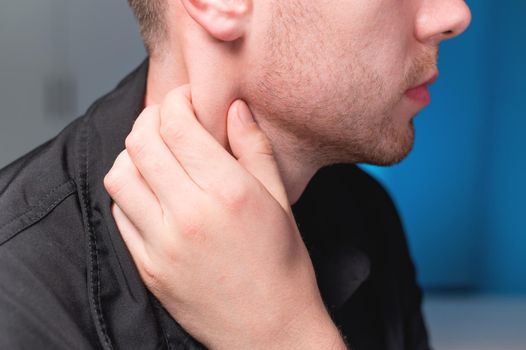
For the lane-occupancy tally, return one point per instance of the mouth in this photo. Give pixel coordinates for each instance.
(420, 93)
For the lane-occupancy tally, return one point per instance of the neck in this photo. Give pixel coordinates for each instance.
(214, 88)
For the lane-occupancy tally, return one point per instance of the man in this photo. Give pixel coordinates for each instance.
(247, 102)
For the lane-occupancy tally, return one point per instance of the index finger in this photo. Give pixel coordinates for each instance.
(203, 158)
(157, 165)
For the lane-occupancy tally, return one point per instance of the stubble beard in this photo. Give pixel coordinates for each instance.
(393, 144)
(324, 113)
(333, 126)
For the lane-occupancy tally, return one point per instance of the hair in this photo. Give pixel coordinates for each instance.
(150, 15)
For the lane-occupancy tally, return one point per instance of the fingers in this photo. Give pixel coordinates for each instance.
(206, 162)
(131, 235)
(155, 162)
(253, 151)
(128, 189)
(177, 157)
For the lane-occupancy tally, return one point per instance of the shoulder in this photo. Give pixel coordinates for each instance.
(32, 186)
(42, 254)
(47, 286)
(35, 184)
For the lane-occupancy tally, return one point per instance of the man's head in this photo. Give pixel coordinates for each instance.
(331, 76)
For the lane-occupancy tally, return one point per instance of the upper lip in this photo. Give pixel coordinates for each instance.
(430, 79)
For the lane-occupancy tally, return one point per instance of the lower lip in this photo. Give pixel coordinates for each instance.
(419, 94)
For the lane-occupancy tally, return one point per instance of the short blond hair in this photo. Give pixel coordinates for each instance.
(150, 15)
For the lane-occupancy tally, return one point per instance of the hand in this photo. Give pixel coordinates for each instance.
(212, 234)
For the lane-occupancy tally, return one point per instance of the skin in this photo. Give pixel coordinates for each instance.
(323, 82)
(325, 79)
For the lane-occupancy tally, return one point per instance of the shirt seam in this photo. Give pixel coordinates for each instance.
(37, 212)
(94, 270)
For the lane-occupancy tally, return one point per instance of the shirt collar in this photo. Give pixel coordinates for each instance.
(328, 226)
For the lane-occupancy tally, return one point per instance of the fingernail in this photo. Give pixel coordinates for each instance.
(244, 114)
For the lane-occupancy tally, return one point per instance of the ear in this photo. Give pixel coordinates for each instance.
(225, 20)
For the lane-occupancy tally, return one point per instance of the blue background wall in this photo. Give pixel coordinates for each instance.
(462, 191)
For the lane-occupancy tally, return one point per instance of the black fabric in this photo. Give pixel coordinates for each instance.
(67, 280)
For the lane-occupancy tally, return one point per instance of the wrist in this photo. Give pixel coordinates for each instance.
(312, 329)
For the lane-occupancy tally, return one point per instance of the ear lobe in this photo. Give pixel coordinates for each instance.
(225, 20)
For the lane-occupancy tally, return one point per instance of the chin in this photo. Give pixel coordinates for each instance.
(392, 149)
(388, 159)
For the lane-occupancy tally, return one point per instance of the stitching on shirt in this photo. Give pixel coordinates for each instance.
(92, 245)
(38, 211)
(33, 207)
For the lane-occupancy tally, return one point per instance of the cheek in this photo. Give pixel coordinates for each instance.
(330, 58)
(377, 32)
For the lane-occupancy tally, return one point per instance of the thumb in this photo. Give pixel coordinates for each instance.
(254, 152)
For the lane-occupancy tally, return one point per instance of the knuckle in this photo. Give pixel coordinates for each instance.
(188, 223)
(144, 154)
(135, 142)
(148, 113)
(137, 138)
(150, 274)
(143, 116)
(112, 182)
(191, 229)
(236, 197)
(170, 129)
(115, 180)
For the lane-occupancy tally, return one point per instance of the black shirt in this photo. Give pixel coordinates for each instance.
(67, 280)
